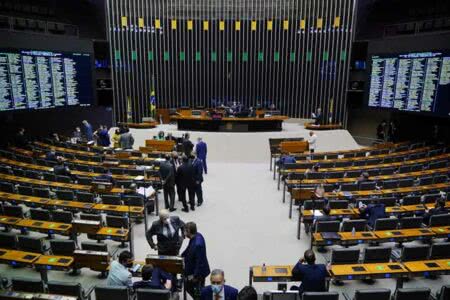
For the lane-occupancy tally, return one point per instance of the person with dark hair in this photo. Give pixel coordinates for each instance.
(88, 131)
(105, 177)
(61, 169)
(363, 177)
(103, 136)
(439, 209)
(195, 260)
(187, 145)
(20, 140)
(311, 275)
(167, 174)
(126, 139)
(185, 181)
(51, 155)
(372, 212)
(198, 177)
(247, 293)
(218, 289)
(153, 278)
(119, 275)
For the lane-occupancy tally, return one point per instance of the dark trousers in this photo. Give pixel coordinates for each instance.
(205, 168)
(194, 288)
(199, 193)
(311, 150)
(182, 195)
(169, 194)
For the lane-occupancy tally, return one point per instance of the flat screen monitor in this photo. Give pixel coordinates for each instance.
(412, 82)
(35, 79)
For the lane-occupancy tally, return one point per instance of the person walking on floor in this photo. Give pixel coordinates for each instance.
(202, 150)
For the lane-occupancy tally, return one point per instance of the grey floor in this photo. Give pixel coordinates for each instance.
(243, 218)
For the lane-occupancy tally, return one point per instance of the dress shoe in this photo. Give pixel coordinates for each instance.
(192, 207)
(172, 209)
(185, 209)
(199, 204)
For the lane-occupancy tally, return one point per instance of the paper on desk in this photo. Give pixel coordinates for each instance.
(318, 213)
(147, 192)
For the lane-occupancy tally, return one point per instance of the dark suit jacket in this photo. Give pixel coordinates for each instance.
(165, 243)
(187, 147)
(61, 170)
(50, 156)
(432, 212)
(185, 175)
(157, 281)
(195, 259)
(198, 169)
(311, 276)
(230, 293)
(167, 173)
(201, 150)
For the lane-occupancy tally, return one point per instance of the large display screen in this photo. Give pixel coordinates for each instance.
(31, 79)
(413, 82)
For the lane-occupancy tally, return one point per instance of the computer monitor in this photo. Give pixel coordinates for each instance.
(281, 295)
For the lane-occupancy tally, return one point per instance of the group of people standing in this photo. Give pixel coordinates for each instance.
(186, 174)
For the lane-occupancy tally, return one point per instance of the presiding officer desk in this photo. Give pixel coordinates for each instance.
(186, 121)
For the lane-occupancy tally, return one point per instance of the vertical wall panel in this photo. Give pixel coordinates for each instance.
(292, 53)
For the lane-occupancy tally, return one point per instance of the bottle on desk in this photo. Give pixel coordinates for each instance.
(264, 269)
(353, 231)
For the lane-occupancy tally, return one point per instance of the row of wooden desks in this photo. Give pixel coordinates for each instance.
(136, 211)
(54, 184)
(13, 295)
(397, 270)
(381, 236)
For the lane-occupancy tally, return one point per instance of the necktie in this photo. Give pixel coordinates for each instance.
(217, 297)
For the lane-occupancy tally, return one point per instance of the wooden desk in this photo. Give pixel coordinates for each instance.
(443, 231)
(94, 260)
(445, 264)
(12, 295)
(347, 238)
(66, 150)
(116, 234)
(424, 268)
(281, 273)
(18, 258)
(8, 221)
(52, 262)
(368, 271)
(404, 235)
(44, 226)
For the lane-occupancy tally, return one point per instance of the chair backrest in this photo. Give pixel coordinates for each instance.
(431, 198)
(440, 220)
(359, 225)
(62, 247)
(390, 184)
(84, 180)
(315, 175)
(440, 179)
(117, 221)
(437, 164)
(377, 254)
(386, 224)
(411, 253)
(41, 192)
(40, 214)
(352, 174)
(27, 285)
(318, 204)
(346, 187)
(344, 256)
(63, 179)
(85, 197)
(388, 201)
(133, 200)
(111, 199)
(440, 250)
(103, 292)
(65, 288)
(49, 176)
(8, 240)
(6, 187)
(372, 294)
(407, 182)
(444, 293)
(367, 185)
(425, 180)
(91, 217)
(338, 204)
(410, 222)
(387, 171)
(65, 195)
(411, 200)
(280, 295)
(412, 294)
(13, 211)
(328, 226)
(62, 216)
(124, 183)
(91, 246)
(144, 294)
(332, 175)
(320, 296)
(32, 244)
(25, 190)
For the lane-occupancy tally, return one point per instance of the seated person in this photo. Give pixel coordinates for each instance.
(325, 216)
(286, 159)
(61, 169)
(315, 168)
(105, 177)
(247, 293)
(439, 209)
(132, 191)
(160, 136)
(363, 177)
(218, 289)
(372, 212)
(119, 275)
(51, 156)
(153, 278)
(319, 192)
(311, 275)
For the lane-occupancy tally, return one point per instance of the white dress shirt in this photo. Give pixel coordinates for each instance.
(312, 140)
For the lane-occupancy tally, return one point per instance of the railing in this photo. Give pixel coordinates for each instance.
(418, 27)
(367, 141)
(37, 26)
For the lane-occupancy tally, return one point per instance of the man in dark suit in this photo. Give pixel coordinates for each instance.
(169, 231)
(218, 290)
(372, 212)
(195, 260)
(20, 140)
(317, 116)
(311, 275)
(51, 156)
(153, 278)
(202, 150)
(61, 169)
(187, 145)
(185, 181)
(198, 177)
(439, 209)
(167, 173)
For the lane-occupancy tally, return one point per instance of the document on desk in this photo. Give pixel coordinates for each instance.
(318, 213)
(146, 192)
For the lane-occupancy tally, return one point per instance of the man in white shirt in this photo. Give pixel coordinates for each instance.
(118, 270)
(312, 140)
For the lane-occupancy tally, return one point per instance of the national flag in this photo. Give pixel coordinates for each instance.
(129, 110)
(330, 117)
(152, 103)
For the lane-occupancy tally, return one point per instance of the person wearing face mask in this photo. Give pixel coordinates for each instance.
(119, 275)
(196, 266)
(169, 231)
(77, 135)
(218, 290)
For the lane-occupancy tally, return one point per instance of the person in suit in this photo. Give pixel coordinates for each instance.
(198, 177)
(372, 212)
(103, 136)
(218, 290)
(202, 150)
(247, 293)
(196, 266)
(51, 156)
(169, 232)
(153, 278)
(126, 140)
(317, 116)
(105, 177)
(167, 174)
(187, 145)
(311, 275)
(185, 181)
(170, 137)
(20, 140)
(61, 169)
(88, 132)
(439, 209)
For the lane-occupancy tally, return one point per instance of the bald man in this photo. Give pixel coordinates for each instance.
(169, 232)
